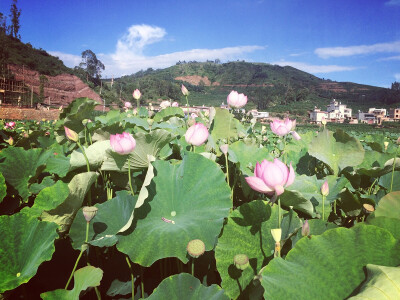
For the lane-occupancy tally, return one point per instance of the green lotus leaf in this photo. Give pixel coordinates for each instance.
(25, 243)
(112, 117)
(322, 260)
(386, 181)
(167, 113)
(297, 149)
(21, 167)
(111, 216)
(373, 164)
(76, 112)
(83, 278)
(248, 231)
(146, 144)
(120, 288)
(35, 188)
(390, 224)
(137, 122)
(58, 164)
(382, 283)
(220, 128)
(64, 214)
(48, 199)
(338, 150)
(248, 155)
(96, 153)
(3, 187)
(389, 206)
(187, 200)
(185, 286)
(290, 224)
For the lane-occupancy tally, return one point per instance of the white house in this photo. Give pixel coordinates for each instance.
(317, 115)
(368, 117)
(337, 110)
(259, 114)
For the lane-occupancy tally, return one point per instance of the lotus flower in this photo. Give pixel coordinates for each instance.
(175, 104)
(71, 135)
(282, 127)
(165, 104)
(184, 90)
(128, 104)
(236, 100)
(137, 94)
(10, 125)
(305, 229)
(271, 177)
(122, 143)
(197, 134)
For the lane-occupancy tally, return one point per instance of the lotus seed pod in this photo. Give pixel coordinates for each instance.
(195, 248)
(89, 212)
(241, 261)
(276, 234)
(368, 208)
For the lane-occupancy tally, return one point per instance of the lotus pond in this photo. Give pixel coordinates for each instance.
(233, 210)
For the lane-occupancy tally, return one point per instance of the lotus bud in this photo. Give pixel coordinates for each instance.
(323, 121)
(386, 144)
(276, 234)
(175, 104)
(295, 135)
(134, 111)
(89, 212)
(195, 248)
(224, 148)
(71, 135)
(60, 108)
(10, 141)
(137, 94)
(128, 105)
(150, 122)
(305, 229)
(241, 261)
(253, 122)
(263, 129)
(184, 90)
(325, 189)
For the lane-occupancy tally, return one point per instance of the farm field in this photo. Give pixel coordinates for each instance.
(167, 205)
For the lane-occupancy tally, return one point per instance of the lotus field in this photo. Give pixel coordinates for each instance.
(172, 205)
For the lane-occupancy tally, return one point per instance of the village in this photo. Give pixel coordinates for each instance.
(339, 113)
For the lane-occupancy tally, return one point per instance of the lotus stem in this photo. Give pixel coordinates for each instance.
(394, 164)
(192, 266)
(88, 169)
(132, 277)
(129, 175)
(79, 257)
(142, 281)
(372, 185)
(279, 213)
(323, 207)
(227, 169)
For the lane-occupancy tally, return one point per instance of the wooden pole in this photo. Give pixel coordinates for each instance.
(32, 96)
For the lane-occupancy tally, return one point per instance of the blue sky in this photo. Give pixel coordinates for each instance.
(343, 40)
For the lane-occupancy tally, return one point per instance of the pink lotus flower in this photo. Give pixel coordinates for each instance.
(196, 134)
(194, 115)
(184, 90)
(164, 104)
(325, 189)
(271, 177)
(71, 135)
(295, 135)
(175, 104)
(236, 100)
(128, 104)
(282, 127)
(122, 143)
(10, 125)
(305, 229)
(10, 140)
(137, 94)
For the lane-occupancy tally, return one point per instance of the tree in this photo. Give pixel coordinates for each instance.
(3, 23)
(91, 65)
(396, 86)
(15, 13)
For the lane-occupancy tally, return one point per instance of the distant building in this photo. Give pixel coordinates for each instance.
(259, 114)
(368, 118)
(337, 110)
(394, 113)
(317, 115)
(379, 113)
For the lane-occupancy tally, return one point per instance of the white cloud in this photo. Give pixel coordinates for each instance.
(69, 60)
(390, 58)
(397, 76)
(393, 3)
(314, 69)
(357, 50)
(297, 54)
(130, 57)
